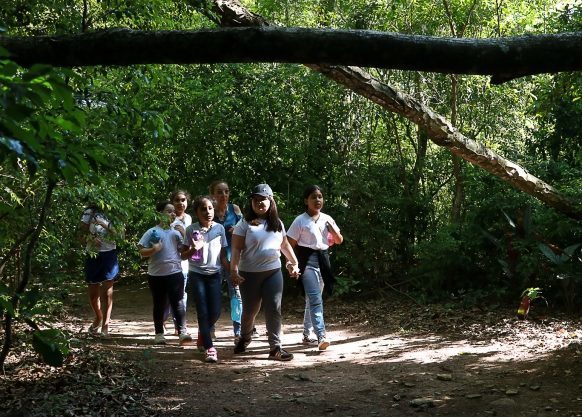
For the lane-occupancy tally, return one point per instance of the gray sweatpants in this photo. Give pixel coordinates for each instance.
(264, 288)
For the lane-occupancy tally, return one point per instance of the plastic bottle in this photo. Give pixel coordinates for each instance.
(197, 255)
(235, 309)
(155, 236)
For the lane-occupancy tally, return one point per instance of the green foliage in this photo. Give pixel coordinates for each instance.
(52, 345)
(126, 137)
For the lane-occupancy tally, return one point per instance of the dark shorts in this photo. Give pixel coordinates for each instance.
(103, 267)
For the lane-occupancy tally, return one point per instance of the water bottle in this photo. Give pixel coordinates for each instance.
(197, 255)
(235, 309)
(155, 237)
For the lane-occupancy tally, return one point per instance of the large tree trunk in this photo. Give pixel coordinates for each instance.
(502, 58)
(440, 131)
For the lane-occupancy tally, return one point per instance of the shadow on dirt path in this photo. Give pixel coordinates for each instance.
(532, 369)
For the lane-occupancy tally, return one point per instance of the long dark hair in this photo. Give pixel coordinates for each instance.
(273, 221)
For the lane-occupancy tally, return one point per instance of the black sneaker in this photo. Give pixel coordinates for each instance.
(241, 345)
(279, 354)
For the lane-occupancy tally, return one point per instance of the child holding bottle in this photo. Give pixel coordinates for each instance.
(161, 244)
(205, 248)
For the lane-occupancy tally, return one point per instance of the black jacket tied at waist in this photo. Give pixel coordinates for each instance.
(303, 253)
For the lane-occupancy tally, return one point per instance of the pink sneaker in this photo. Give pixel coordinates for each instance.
(211, 355)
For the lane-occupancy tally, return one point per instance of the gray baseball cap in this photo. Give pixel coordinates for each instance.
(262, 189)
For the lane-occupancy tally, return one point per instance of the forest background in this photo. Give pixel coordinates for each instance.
(416, 219)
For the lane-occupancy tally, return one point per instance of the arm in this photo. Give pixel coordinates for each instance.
(292, 262)
(238, 244)
(292, 242)
(147, 252)
(224, 260)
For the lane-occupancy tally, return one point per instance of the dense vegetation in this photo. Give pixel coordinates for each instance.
(416, 220)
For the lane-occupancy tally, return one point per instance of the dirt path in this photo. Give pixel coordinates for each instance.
(508, 369)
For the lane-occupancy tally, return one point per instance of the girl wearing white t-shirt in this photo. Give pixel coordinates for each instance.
(205, 248)
(162, 244)
(257, 242)
(310, 235)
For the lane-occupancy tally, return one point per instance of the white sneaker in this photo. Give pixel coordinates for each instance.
(160, 339)
(185, 339)
(323, 344)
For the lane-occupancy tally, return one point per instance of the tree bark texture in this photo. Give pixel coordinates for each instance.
(502, 58)
(440, 130)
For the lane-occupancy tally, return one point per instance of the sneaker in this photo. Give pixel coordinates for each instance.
(199, 343)
(160, 339)
(185, 339)
(211, 355)
(236, 339)
(309, 341)
(279, 354)
(323, 344)
(255, 333)
(241, 345)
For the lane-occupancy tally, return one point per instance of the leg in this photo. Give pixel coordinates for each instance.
(272, 292)
(95, 302)
(106, 295)
(214, 298)
(251, 302)
(307, 326)
(175, 289)
(159, 298)
(312, 284)
(199, 291)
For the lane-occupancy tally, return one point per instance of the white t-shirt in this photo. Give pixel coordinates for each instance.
(310, 233)
(89, 217)
(185, 222)
(262, 250)
(167, 261)
(214, 241)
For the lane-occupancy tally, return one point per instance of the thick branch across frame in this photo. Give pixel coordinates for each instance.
(501, 58)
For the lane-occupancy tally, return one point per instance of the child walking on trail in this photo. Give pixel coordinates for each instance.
(205, 248)
(161, 244)
(257, 243)
(311, 234)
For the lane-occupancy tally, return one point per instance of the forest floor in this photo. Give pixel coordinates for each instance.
(387, 358)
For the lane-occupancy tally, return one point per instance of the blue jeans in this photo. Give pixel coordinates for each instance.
(207, 294)
(313, 286)
(235, 301)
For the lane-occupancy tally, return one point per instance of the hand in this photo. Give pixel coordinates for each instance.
(293, 270)
(236, 278)
(157, 246)
(180, 229)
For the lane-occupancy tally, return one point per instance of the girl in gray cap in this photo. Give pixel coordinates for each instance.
(257, 242)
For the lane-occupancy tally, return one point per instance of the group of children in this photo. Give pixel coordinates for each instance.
(190, 259)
